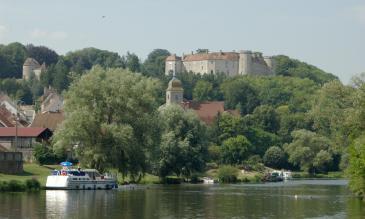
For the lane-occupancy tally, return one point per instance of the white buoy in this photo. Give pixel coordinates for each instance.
(296, 196)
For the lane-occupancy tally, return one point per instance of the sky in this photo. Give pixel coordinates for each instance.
(329, 34)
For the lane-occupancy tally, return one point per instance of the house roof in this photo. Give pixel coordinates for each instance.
(48, 120)
(212, 56)
(207, 111)
(26, 132)
(32, 62)
(6, 117)
(173, 58)
(3, 148)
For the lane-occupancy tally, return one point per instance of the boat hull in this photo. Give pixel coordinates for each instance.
(78, 183)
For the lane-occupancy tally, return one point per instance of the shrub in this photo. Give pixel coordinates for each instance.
(227, 174)
(32, 185)
(16, 186)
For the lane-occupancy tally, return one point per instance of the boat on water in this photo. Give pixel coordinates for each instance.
(79, 179)
(208, 180)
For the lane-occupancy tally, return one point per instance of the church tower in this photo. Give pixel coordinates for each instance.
(174, 92)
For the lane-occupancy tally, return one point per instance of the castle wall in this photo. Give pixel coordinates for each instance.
(173, 66)
(248, 63)
(227, 67)
(196, 66)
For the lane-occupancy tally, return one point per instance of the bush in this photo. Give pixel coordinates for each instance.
(227, 174)
(32, 185)
(18, 186)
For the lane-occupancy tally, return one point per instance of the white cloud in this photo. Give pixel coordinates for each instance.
(44, 34)
(359, 12)
(3, 31)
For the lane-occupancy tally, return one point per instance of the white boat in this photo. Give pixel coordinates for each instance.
(88, 179)
(207, 180)
(286, 175)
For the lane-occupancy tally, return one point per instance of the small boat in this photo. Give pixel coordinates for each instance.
(207, 180)
(78, 179)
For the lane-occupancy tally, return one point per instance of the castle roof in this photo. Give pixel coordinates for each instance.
(173, 58)
(212, 56)
(31, 62)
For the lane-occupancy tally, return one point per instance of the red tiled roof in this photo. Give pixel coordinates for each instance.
(212, 56)
(173, 58)
(22, 132)
(208, 110)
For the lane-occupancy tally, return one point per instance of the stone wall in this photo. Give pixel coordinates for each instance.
(11, 162)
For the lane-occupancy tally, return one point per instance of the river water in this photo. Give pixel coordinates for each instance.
(292, 199)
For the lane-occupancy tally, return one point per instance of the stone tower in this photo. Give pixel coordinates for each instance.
(174, 92)
(245, 62)
(32, 67)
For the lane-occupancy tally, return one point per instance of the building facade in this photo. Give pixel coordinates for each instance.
(32, 68)
(228, 63)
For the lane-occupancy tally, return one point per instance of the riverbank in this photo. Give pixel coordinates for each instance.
(31, 171)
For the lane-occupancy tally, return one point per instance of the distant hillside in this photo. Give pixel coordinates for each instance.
(295, 68)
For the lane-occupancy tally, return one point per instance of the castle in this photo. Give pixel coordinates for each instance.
(228, 63)
(32, 68)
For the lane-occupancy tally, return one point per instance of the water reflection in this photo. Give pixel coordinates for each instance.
(326, 200)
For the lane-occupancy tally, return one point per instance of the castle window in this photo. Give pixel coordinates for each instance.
(211, 71)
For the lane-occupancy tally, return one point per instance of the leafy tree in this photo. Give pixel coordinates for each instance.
(42, 54)
(274, 157)
(235, 150)
(227, 174)
(110, 120)
(202, 91)
(132, 62)
(266, 118)
(155, 63)
(323, 161)
(183, 149)
(60, 76)
(12, 56)
(290, 67)
(240, 94)
(356, 167)
(304, 149)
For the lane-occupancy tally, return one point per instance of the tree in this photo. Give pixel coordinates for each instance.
(132, 62)
(183, 148)
(240, 94)
(155, 63)
(202, 91)
(42, 54)
(60, 76)
(235, 150)
(290, 67)
(12, 57)
(305, 148)
(110, 120)
(274, 157)
(266, 118)
(356, 167)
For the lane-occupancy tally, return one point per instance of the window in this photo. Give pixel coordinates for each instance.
(211, 71)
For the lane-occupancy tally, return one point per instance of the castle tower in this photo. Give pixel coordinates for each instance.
(29, 67)
(173, 65)
(174, 92)
(245, 62)
(270, 61)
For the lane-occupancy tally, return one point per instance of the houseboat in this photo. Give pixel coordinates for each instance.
(78, 179)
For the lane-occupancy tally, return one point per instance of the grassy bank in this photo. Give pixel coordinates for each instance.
(329, 175)
(31, 171)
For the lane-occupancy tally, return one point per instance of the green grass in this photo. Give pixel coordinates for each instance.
(31, 171)
(329, 175)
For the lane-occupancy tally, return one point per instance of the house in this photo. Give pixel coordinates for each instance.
(51, 101)
(207, 111)
(9, 110)
(31, 68)
(23, 139)
(50, 120)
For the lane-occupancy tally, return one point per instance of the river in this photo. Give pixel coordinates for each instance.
(292, 199)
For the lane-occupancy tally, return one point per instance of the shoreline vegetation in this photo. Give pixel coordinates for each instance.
(34, 177)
